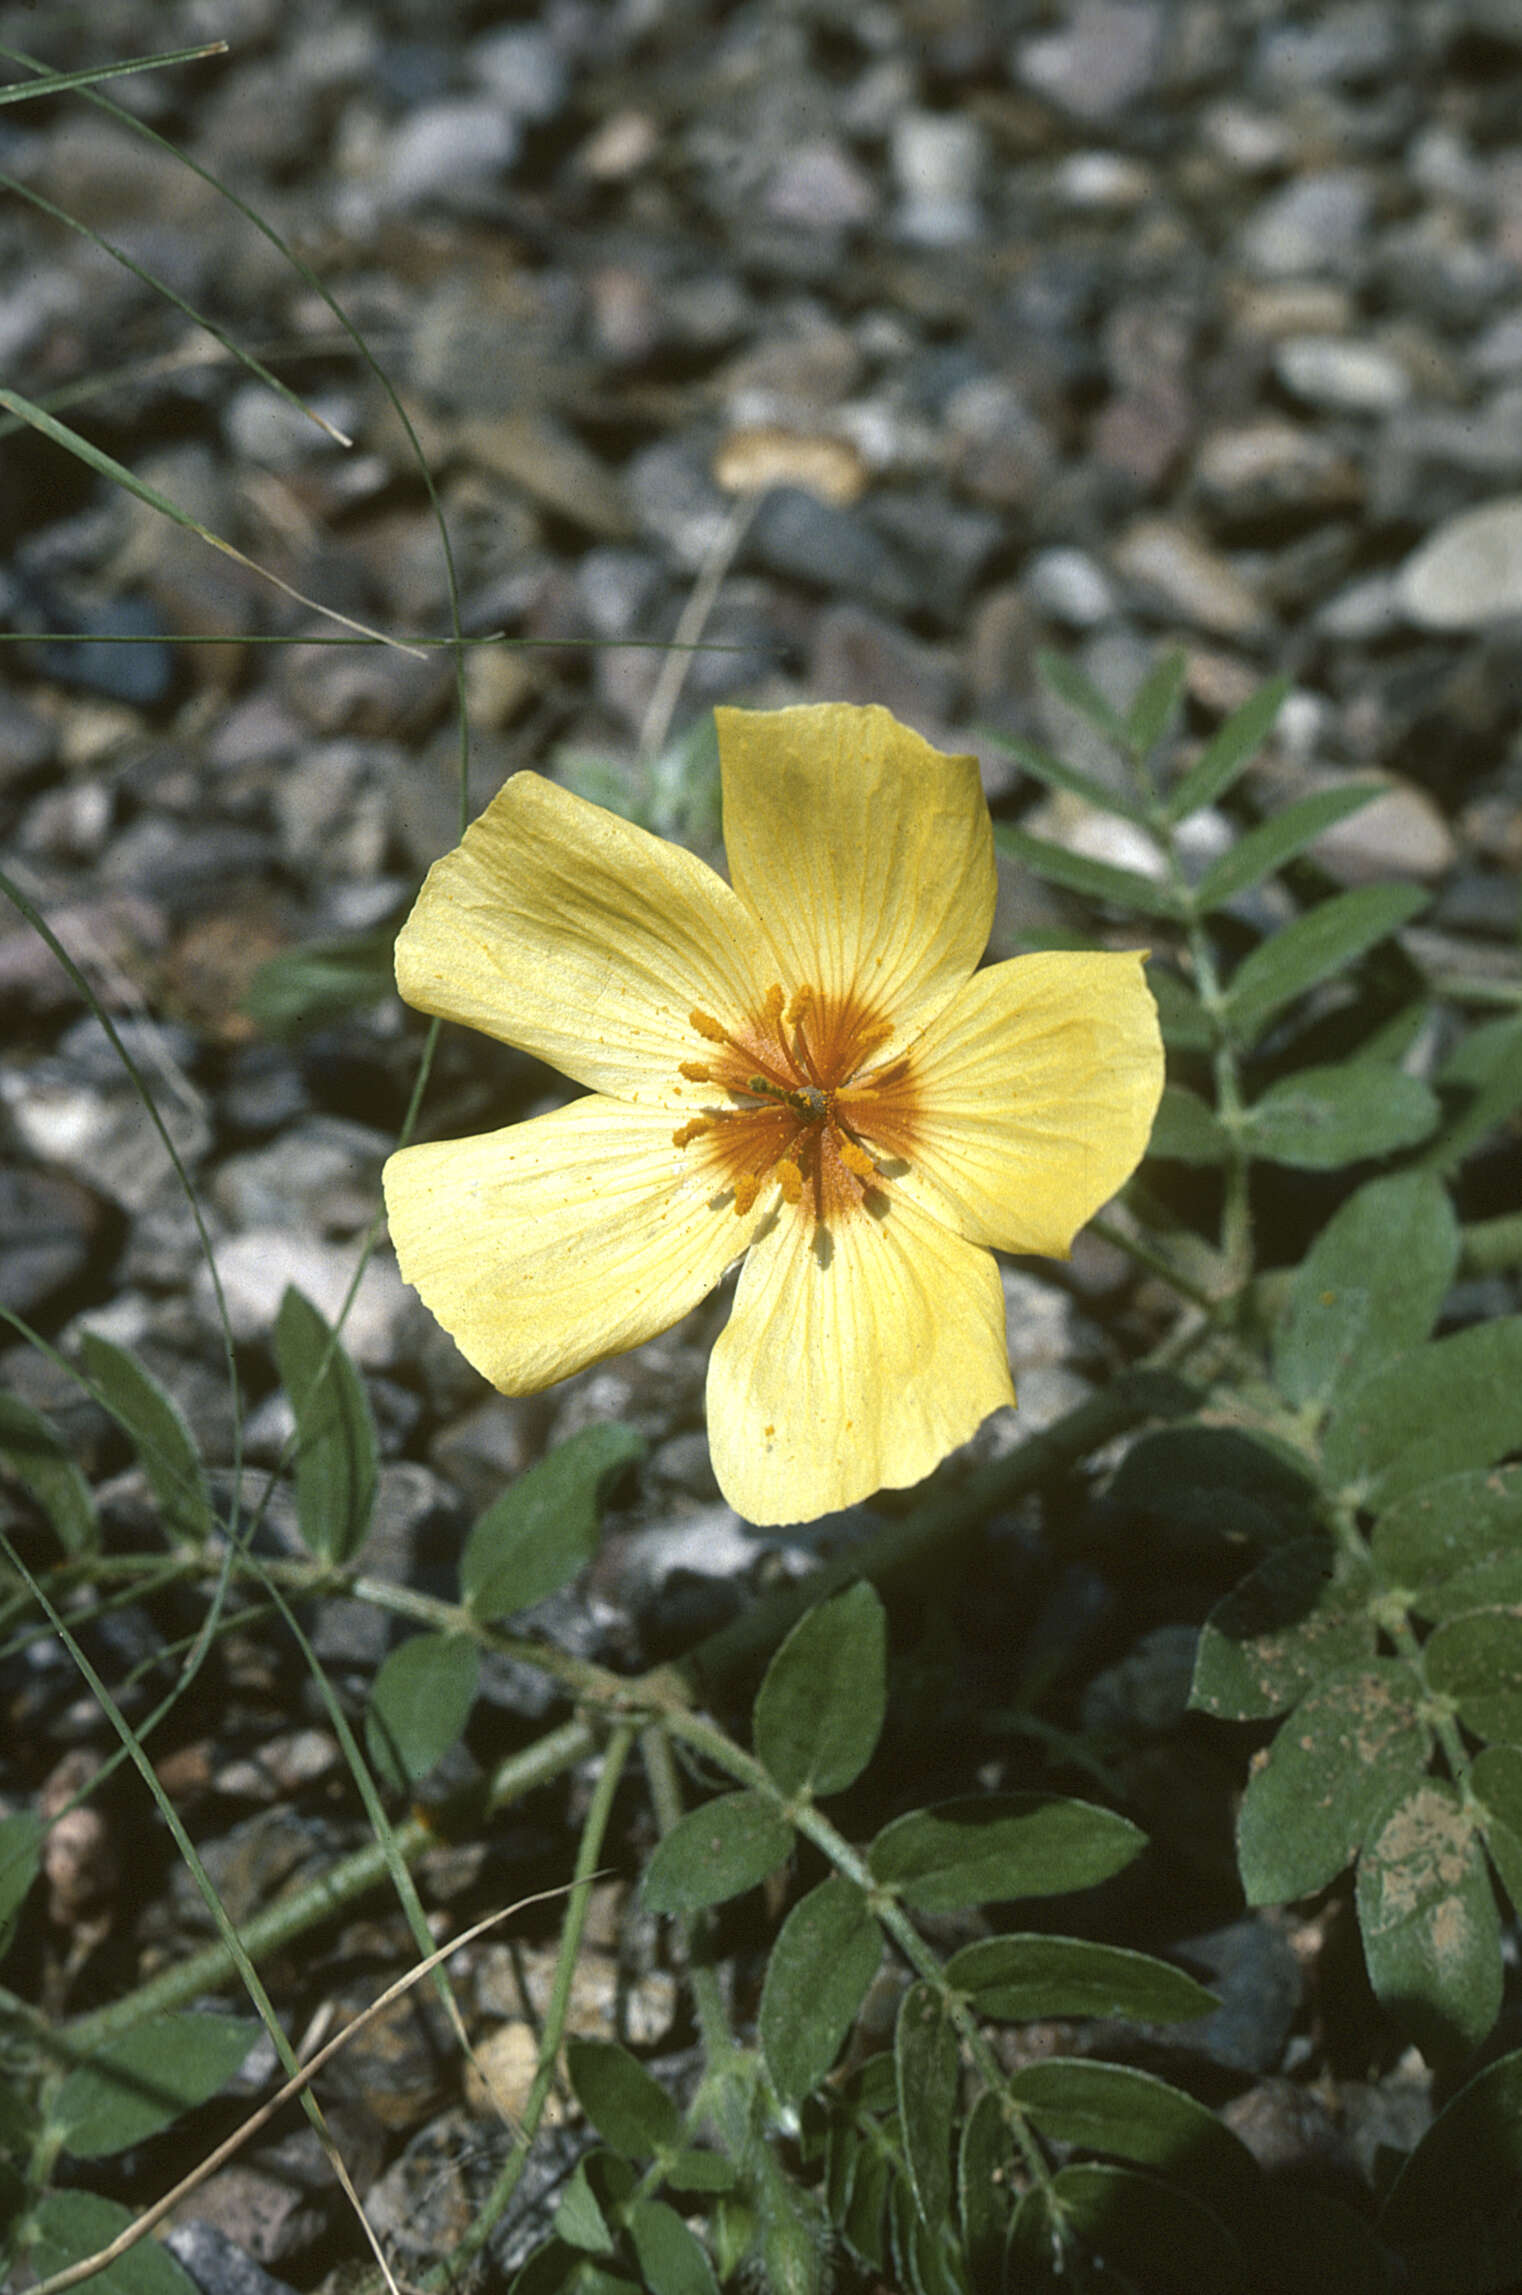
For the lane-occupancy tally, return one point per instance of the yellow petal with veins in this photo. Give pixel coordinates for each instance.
(554, 1243)
(562, 929)
(866, 854)
(854, 1359)
(1037, 1088)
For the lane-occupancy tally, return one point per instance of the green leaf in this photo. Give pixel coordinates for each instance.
(1303, 2238)
(1342, 1755)
(1057, 773)
(1455, 2208)
(543, 1529)
(1427, 1912)
(1477, 1661)
(1481, 1084)
(419, 1704)
(719, 1851)
(156, 1428)
(983, 2164)
(1495, 1780)
(1146, 2235)
(1157, 699)
(1372, 1285)
(1450, 1404)
(1122, 888)
(21, 1839)
(1218, 1481)
(335, 1433)
(1279, 839)
(1447, 1527)
(312, 986)
(1323, 1118)
(1185, 1130)
(926, 2065)
(67, 2227)
(1134, 2115)
(670, 2258)
(822, 1965)
(1493, 1584)
(1016, 1979)
(1326, 940)
(629, 2109)
(701, 2171)
(139, 2083)
(990, 1846)
(1064, 678)
(579, 2219)
(1185, 1022)
(1230, 749)
(820, 1709)
(923, 2253)
(1287, 1625)
(31, 1451)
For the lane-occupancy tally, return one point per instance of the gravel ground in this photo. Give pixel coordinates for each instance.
(912, 336)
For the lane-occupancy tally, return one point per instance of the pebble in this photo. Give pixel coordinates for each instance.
(1401, 834)
(1326, 370)
(1104, 59)
(1317, 222)
(256, 1267)
(1174, 570)
(937, 161)
(525, 70)
(1469, 572)
(819, 187)
(453, 151)
(215, 2263)
(1070, 588)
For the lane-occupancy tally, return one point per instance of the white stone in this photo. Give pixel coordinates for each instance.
(1469, 572)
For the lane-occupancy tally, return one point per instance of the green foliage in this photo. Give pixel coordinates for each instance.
(320, 982)
(156, 1428)
(827, 1952)
(1371, 1285)
(419, 1705)
(67, 2226)
(32, 1452)
(819, 1711)
(335, 1433)
(1000, 1845)
(142, 2082)
(543, 1529)
(719, 1851)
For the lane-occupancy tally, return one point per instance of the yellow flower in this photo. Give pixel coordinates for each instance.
(802, 1068)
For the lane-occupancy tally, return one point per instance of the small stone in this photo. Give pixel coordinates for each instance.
(261, 426)
(819, 187)
(1181, 574)
(323, 1173)
(1316, 223)
(1269, 469)
(623, 144)
(1255, 1970)
(1070, 588)
(50, 1231)
(826, 547)
(754, 460)
(937, 160)
(1290, 2132)
(1348, 44)
(1363, 612)
(524, 69)
(1252, 142)
(999, 451)
(1103, 182)
(453, 151)
(1147, 1694)
(27, 741)
(257, 1266)
(1104, 59)
(215, 2264)
(1400, 834)
(103, 1134)
(1326, 370)
(1469, 572)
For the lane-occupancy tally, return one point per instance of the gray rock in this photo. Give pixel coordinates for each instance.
(1401, 834)
(50, 1232)
(1316, 223)
(1328, 370)
(1174, 570)
(796, 535)
(1254, 1968)
(1105, 57)
(1068, 587)
(103, 1133)
(1343, 45)
(860, 657)
(524, 69)
(937, 160)
(27, 742)
(257, 1266)
(675, 502)
(452, 151)
(216, 2264)
(1469, 572)
(819, 187)
(322, 1173)
(1147, 1694)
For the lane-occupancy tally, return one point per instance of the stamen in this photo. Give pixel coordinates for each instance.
(790, 1179)
(772, 1004)
(857, 1159)
(802, 998)
(747, 1187)
(695, 1072)
(706, 1025)
(692, 1131)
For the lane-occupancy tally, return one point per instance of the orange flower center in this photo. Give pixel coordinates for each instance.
(805, 1106)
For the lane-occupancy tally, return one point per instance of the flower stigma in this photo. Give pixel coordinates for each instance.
(802, 1103)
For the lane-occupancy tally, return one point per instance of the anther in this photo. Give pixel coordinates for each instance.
(790, 1179)
(772, 1004)
(857, 1159)
(706, 1025)
(747, 1188)
(695, 1072)
(692, 1131)
(802, 999)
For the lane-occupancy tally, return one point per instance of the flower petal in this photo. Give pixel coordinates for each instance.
(1037, 1087)
(867, 855)
(576, 936)
(854, 1359)
(557, 1242)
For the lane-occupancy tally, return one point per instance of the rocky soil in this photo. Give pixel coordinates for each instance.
(877, 344)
